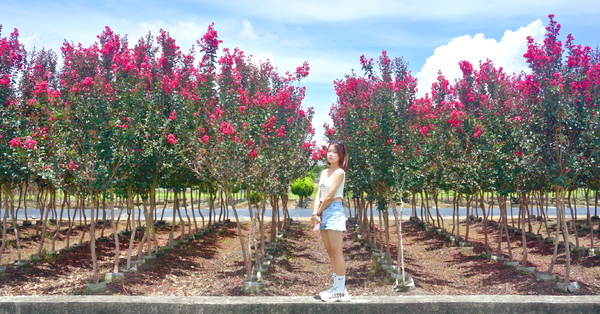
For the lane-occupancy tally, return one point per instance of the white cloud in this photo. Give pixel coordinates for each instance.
(506, 53)
(185, 33)
(247, 32)
(264, 57)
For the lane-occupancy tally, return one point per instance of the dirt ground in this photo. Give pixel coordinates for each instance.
(212, 266)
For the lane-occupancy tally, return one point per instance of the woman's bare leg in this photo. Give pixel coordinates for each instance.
(333, 241)
(326, 243)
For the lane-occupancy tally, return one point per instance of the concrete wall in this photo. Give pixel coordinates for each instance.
(305, 305)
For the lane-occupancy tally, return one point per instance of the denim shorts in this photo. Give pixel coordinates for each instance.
(333, 217)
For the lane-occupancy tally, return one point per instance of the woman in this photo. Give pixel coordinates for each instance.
(328, 216)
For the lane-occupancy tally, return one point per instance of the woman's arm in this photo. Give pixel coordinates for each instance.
(317, 201)
(315, 218)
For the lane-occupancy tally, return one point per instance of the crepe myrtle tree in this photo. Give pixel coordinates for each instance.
(228, 155)
(478, 91)
(147, 113)
(421, 154)
(370, 116)
(502, 170)
(153, 119)
(561, 107)
(39, 95)
(84, 118)
(441, 119)
(250, 121)
(12, 57)
(280, 135)
(135, 80)
(349, 115)
(286, 141)
(590, 158)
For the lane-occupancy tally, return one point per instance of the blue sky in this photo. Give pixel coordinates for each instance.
(330, 35)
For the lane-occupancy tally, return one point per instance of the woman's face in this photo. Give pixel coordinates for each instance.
(332, 154)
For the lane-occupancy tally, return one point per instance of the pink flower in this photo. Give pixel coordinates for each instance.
(567, 170)
(302, 71)
(5, 80)
(227, 129)
(519, 154)
(242, 109)
(204, 139)
(15, 142)
(456, 118)
(173, 115)
(73, 166)
(478, 132)
(30, 143)
(280, 131)
(253, 154)
(88, 81)
(318, 154)
(171, 139)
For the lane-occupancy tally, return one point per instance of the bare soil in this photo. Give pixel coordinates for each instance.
(212, 266)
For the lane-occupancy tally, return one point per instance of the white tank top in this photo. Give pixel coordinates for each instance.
(324, 184)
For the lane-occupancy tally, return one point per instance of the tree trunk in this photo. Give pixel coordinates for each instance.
(3, 203)
(560, 207)
(486, 240)
(95, 275)
(114, 227)
(9, 200)
(398, 221)
(133, 226)
(245, 256)
(523, 233)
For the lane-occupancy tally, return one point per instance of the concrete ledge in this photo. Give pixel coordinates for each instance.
(399, 304)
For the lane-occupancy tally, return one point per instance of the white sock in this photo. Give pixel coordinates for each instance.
(340, 283)
(333, 276)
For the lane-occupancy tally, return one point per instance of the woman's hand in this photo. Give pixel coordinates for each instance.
(316, 220)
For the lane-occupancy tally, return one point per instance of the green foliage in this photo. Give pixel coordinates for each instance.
(303, 187)
(255, 197)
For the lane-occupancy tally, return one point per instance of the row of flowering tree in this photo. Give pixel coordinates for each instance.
(488, 133)
(113, 119)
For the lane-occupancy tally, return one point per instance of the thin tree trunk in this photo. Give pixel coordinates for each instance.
(245, 256)
(522, 201)
(3, 203)
(133, 227)
(95, 275)
(114, 227)
(398, 220)
(486, 240)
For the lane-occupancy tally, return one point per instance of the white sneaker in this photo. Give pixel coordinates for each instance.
(336, 296)
(326, 291)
